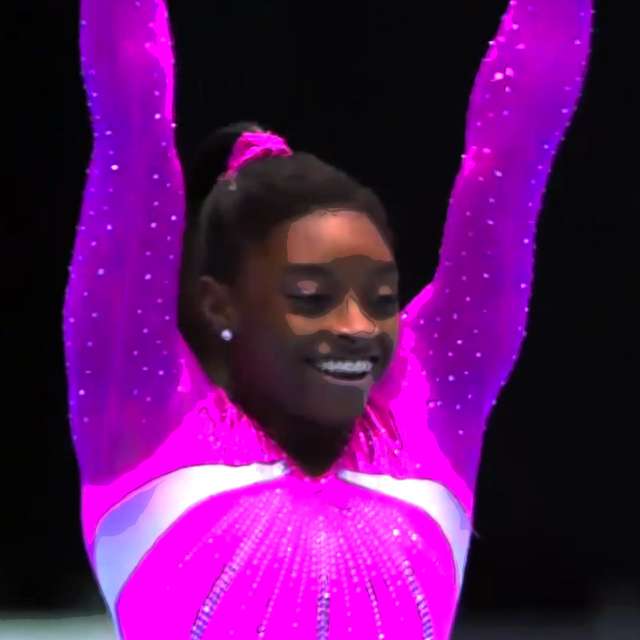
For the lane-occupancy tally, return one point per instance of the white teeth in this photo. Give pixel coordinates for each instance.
(350, 366)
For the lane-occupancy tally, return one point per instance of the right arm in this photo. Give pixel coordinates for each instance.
(121, 340)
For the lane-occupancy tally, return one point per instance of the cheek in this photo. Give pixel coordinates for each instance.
(260, 357)
(258, 330)
(388, 322)
(394, 326)
(301, 326)
(391, 327)
(268, 336)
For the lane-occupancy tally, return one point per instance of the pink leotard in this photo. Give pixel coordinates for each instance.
(198, 526)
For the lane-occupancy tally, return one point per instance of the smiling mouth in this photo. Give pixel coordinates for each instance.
(344, 369)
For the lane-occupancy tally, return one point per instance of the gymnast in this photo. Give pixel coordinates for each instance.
(268, 446)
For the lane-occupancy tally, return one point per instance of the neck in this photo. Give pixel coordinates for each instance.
(314, 446)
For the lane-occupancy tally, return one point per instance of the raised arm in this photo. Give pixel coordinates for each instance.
(121, 340)
(466, 327)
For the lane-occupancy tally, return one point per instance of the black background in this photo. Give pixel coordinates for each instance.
(381, 90)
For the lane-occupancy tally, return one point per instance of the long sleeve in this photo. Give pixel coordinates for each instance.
(120, 334)
(461, 334)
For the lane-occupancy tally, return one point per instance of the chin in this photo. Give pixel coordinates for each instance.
(345, 416)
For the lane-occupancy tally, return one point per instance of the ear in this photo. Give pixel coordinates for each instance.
(215, 305)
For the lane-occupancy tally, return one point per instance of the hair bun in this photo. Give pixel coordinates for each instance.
(211, 158)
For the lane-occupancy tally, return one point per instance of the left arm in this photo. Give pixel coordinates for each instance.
(467, 326)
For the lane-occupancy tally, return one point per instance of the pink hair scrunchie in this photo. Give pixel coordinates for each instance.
(252, 145)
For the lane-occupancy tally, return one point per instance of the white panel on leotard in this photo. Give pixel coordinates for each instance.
(433, 498)
(129, 530)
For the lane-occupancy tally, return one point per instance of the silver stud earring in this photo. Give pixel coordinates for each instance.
(226, 334)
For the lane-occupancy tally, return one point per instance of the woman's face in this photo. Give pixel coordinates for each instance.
(321, 291)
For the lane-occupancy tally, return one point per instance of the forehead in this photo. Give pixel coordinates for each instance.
(326, 235)
(342, 239)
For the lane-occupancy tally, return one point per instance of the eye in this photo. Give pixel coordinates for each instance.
(308, 297)
(387, 299)
(311, 301)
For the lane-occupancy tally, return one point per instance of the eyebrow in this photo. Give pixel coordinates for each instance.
(321, 269)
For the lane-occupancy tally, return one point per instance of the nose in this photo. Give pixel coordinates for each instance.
(352, 320)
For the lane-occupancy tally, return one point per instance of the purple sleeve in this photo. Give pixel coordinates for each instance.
(467, 326)
(120, 333)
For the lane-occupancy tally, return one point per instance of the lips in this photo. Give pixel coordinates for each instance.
(341, 373)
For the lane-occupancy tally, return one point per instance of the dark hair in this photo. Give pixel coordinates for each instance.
(223, 222)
